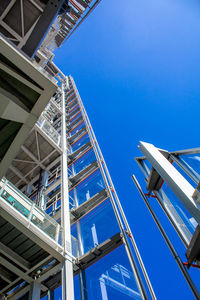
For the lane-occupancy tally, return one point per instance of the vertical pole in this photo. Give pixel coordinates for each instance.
(82, 279)
(34, 293)
(67, 266)
(83, 286)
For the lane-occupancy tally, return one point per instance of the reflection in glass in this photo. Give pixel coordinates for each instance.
(111, 278)
(91, 186)
(192, 163)
(84, 161)
(80, 142)
(182, 212)
(97, 226)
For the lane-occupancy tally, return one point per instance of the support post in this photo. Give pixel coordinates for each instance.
(83, 286)
(67, 266)
(34, 293)
(82, 279)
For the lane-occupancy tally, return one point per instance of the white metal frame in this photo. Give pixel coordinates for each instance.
(178, 184)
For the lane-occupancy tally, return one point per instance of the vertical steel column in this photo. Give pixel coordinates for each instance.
(168, 242)
(110, 188)
(67, 266)
(82, 279)
(34, 293)
(83, 286)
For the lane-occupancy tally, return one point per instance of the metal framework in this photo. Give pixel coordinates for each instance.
(55, 174)
(172, 178)
(59, 156)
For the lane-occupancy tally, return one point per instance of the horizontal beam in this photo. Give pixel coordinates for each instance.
(14, 257)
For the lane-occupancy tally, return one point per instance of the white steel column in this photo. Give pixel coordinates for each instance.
(67, 267)
(178, 184)
(82, 279)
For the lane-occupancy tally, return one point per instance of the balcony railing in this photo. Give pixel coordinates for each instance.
(49, 130)
(23, 205)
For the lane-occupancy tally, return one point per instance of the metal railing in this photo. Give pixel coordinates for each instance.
(49, 130)
(19, 202)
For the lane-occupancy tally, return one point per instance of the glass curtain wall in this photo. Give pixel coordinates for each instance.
(94, 216)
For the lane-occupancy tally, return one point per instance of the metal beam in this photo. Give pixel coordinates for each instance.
(67, 266)
(47, 168)
(14, 257)
(38, 146)
(41, 27)
(32, 156)
(35, 267)
(176, 182)
(18, 173)
(15, 270)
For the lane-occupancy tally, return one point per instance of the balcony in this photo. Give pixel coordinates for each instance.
(51, 134)
(30, 241)
(16, 203)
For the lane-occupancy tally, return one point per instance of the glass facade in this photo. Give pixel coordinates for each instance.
(69, 198)
(95, 217)
(62, 211)
(112, 278)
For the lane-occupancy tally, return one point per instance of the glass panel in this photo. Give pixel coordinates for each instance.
(44, 223)
(75, 117)
(72, 103)
(49, 130)
(192, 162)
(18, 206)
(81, 125)
(189, 221)
(54, 204)
(91, 186)
(84, 161)
(97, 226)
(145, 166)
(184, 175)
(73, 108)
(28, 209)
(74, 245)
(77, 288)
(80, 142)
(112, 278)
(58, 293)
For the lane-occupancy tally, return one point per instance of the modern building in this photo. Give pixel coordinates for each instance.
(61, 222)
(172, 180)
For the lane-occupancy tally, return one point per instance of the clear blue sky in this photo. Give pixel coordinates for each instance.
(137, 67)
